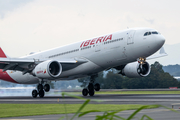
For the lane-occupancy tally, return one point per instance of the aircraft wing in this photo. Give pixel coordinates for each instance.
(161, 53)
(15, 64)
(26, 65)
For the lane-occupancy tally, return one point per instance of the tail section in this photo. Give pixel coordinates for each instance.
(2, 54)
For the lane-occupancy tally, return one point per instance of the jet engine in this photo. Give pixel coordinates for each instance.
(48, 69)
(136, 69)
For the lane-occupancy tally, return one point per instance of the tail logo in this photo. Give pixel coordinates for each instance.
(2, 54)
(45, 71)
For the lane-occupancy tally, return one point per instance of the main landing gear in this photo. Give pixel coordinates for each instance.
(91, 87)
(40, 90)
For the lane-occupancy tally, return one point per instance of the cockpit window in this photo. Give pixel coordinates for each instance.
(146, 34)
(149, 33)
(154, 32)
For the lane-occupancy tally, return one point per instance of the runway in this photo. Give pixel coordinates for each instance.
(159, 113)
(166, 100)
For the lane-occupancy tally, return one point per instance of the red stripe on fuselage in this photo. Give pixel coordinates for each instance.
(2, 54)
(5, 76)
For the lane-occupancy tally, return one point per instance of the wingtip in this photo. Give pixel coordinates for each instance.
(162, 51)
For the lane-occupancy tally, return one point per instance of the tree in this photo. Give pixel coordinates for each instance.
(156, 79)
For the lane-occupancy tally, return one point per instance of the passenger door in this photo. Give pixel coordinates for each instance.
(98, 47)
(130, 37)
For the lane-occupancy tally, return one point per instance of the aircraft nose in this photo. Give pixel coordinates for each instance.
(161, 40)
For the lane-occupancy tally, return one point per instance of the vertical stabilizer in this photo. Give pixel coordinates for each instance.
(2, 54)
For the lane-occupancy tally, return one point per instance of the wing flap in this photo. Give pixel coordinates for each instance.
(15, 63)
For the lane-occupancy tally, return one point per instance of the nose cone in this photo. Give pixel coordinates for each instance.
(155, 43)
(160, 40)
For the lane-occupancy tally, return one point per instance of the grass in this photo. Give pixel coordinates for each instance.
(15, 110)
(128, 92)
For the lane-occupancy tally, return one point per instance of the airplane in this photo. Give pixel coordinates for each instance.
(126, 51)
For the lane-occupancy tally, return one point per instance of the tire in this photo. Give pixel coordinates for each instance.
(85, 92)
(34, 93)
(41, 93)
(40, 87)
(97, 87)
(91, 92)
(46, 87)
(90, 87)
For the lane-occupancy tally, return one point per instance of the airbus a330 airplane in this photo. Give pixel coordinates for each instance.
(125, 50)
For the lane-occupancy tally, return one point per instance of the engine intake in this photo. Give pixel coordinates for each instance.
(48, 69)
(136, 69)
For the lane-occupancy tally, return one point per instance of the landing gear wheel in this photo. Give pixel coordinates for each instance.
(41, 93)
(97, 86)
(47, 87)
(90, 86)
(40, 87)
(85, 92)
(34, 93)
(91, 92)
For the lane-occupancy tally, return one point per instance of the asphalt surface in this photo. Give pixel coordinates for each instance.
(157, 114)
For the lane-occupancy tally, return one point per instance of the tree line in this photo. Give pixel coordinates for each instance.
(156, 79)
(172, 69)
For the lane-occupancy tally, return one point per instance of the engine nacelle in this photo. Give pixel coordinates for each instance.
(48, 69)
(135, 69)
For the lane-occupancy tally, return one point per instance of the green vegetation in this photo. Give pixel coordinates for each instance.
(156, 79)
(79, 110)
(110, 115)
(12, 110)
(172, 69)
(126, 92)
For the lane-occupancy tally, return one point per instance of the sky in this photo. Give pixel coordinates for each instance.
(36, 25)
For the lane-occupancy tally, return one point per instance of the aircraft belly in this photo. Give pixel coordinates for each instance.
(85, 69)
(23, 79)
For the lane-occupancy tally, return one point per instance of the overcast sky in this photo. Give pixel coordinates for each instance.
(36, 25)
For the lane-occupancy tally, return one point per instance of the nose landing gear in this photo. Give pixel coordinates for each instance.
(40, 90)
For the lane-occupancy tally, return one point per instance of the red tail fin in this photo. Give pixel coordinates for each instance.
(2, 54)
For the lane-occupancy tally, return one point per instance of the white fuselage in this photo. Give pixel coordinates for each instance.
(102, 53)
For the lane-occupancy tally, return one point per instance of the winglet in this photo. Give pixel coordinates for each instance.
(2, 54)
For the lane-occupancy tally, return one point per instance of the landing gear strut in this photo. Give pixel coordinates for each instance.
(40, 90)
(91, 87)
